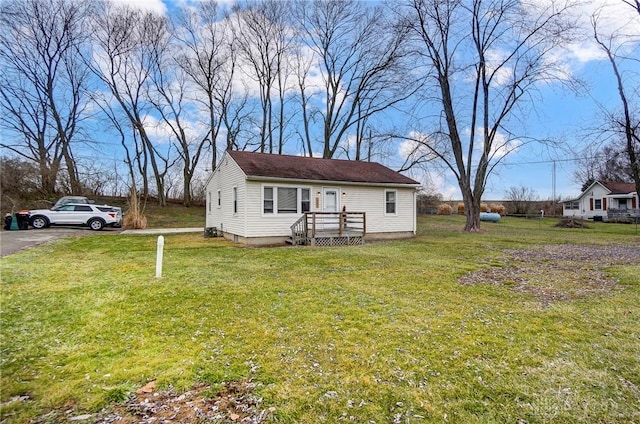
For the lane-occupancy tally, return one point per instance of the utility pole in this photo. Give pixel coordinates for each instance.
(553, 190)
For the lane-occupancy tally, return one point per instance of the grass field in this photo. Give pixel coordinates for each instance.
(384, 332)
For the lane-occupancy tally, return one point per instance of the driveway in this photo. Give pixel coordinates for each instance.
(14, 241)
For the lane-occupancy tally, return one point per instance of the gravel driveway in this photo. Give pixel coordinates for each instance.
(14, 241)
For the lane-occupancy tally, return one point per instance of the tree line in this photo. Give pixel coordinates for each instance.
(327, 78)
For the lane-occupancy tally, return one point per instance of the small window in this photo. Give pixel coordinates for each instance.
(268, 200)
(235, 200)
(209, 200)
(390, 202)
(219, 198)
(305, 202)
(597, 204)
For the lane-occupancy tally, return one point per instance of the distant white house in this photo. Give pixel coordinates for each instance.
(260, 199)
(603, 200)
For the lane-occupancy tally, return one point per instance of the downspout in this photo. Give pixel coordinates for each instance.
(415, 213)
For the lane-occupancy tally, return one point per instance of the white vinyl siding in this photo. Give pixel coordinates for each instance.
(371, 201)
(224, 179)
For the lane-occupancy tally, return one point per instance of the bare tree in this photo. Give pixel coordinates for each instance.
(169, 97)
(362, 59)
(521, 199)
(118, 123)
(486, 58)
(128, 42)
(261, 34)
(610, 163)
(209, 61)
(627, 123)
(42, 86)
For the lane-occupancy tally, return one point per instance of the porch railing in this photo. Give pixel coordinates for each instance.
(623, 213)
(313, 225)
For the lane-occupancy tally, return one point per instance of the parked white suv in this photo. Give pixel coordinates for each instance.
(95, 217)
(65, 200)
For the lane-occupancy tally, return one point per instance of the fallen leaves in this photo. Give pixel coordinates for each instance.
(557, 272)
(235, 402)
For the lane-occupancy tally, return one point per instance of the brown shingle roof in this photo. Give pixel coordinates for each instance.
(619, 188)
(316, 169)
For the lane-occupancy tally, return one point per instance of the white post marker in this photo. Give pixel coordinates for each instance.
(159, 257)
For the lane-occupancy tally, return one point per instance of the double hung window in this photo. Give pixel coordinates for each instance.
(390, 202)
(285, 200)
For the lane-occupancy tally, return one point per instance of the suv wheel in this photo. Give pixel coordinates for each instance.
(96, 224)
(38, 222)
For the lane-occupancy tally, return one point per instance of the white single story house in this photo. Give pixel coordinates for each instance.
(602, 200)
(256, 198)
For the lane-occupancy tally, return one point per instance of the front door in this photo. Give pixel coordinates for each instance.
(330, 204)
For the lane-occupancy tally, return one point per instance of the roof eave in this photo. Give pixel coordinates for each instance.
(330, 182)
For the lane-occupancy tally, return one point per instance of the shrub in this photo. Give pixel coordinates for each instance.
(444, 209)
(460, 208)
(496, 208)
(484, 207)
(134, 218)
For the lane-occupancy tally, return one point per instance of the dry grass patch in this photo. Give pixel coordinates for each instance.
(554, 273)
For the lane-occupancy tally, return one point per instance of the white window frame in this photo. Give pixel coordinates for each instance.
(395, 203)
(275, 199)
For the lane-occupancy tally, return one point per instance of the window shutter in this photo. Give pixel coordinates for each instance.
(591, 204)
(633, 203)
(604, 204)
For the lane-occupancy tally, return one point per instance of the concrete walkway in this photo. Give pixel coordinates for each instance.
(164, 231)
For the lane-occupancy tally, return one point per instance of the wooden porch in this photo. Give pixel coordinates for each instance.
(623, 215)
(329, 229)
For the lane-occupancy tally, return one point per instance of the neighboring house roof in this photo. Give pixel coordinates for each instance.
(266, 165)
(619, 188)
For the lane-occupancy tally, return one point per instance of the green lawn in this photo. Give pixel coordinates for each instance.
(378, 333)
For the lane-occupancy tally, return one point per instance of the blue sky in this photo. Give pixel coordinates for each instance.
(559, 114)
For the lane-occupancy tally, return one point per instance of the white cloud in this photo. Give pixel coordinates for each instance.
(502, 145)
(160, 132)
(156, 6)
(614, 19)
(415, 146)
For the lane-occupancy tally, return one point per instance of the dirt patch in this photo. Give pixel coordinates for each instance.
(235, 402)
(572, 223)
(557, 272)
(232, 402)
